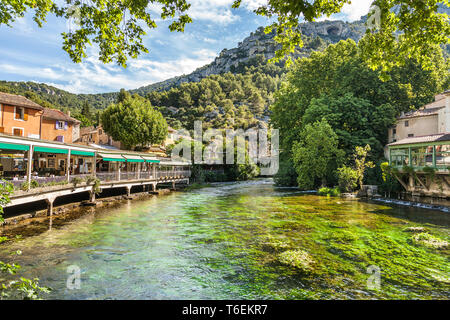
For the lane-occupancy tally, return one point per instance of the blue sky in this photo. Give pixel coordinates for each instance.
(30, 53)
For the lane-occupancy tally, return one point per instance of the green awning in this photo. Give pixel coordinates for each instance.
(13, 146)
(111, 157)
(132, 158)
(150, 159)
(82, 153)
(50, 150)
(114, 159)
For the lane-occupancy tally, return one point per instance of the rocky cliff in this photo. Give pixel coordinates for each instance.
(260, 43)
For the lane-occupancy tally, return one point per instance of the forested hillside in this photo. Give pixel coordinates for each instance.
(235, 90)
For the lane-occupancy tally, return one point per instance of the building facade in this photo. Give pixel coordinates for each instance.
(58, 126)
(419, 149)
(433, 118)
(22, 117)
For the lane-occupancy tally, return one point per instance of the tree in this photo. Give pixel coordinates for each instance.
(361, 163)
(397, 29)
(337, 85)
(134, 122)
(316, 155)
(86, 110)
(116, 26)
(355, 121)
(123, 95)
(348, 179)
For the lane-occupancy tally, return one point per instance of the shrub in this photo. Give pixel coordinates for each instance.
(34, 184)
(76, 181)
(24, 186)
(333, 192)
(348, 179)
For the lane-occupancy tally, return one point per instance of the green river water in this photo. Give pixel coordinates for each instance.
(225, 242)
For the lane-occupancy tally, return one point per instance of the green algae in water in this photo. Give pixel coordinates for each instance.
(242, 241)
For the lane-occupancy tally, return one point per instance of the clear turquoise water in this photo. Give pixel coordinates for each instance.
(217, 243)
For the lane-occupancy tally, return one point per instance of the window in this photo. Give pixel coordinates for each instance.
(18, 132)
(410, 135)
(100, 131)
(19, 113)
(406, 123)
(394, 131)
(60, 125)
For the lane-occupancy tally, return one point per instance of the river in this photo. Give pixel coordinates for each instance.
(226, 242)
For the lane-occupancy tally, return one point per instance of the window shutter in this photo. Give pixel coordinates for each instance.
(65, 125)
(17, 113)
(25, 114)
(56, 124)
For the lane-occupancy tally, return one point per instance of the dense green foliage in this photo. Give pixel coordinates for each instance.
(221, 101)
(338, 86)
(134, 122)
(316, 155)
(118, 27)
(397, 30)
(347, 179)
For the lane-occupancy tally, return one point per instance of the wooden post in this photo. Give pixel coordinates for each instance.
(68, 167)
(95, 164)
(138, 170)
(409, 155)
(154, 171)
(92, 195)
(50, 207)
(29, 166)
(434, 157)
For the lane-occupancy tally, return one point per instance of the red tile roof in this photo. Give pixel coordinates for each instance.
(16, 100)
(55, 114)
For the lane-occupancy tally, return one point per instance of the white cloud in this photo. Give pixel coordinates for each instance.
(218, 11)
(356, 9)
(253, 4)
(93, 76)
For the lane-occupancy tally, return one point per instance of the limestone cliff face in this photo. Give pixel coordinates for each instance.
(260, 43)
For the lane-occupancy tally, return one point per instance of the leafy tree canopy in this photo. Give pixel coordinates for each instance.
(337, 82)
(134, 122)
(398, 29)
(316, 155)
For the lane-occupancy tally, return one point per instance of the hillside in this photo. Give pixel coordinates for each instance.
(232, 60)
(248, 58)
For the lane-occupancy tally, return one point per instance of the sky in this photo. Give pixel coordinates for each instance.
(30, 53)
